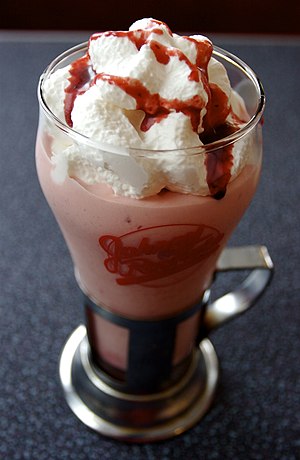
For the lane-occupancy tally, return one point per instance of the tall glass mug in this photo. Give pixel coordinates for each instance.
(145, 267)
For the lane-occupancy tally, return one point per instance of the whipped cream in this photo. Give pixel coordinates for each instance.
(147, 97)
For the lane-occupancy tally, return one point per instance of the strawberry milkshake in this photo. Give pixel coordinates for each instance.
(148, 158)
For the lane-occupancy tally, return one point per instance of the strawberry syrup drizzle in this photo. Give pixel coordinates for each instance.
(163, 55)
(218, 163)
(81, 79)
(155, 107)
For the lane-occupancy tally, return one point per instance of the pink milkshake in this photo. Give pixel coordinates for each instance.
(146, 249)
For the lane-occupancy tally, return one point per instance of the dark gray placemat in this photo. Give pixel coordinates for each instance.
(256, 411)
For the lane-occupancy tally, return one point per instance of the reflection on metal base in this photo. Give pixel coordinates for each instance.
(136, 418)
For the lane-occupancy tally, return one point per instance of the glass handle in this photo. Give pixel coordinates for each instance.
(227, 307)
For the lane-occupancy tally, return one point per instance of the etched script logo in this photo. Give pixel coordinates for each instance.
(154, 253)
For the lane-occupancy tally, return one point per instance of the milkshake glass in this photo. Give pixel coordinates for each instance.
(145, 265)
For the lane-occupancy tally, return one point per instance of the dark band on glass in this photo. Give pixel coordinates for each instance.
(151, 345)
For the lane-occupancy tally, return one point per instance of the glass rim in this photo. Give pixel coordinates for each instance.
(205, 148)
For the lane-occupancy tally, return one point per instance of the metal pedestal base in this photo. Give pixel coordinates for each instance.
(130, 417)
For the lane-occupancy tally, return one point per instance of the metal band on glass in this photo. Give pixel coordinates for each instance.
(151, 345)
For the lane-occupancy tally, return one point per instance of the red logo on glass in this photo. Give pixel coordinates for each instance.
(154, 253)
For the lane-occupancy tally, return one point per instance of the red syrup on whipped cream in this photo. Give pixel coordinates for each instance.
(218, 162)
(81, 79)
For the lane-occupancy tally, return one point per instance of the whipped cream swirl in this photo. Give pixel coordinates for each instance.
(148, 97)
